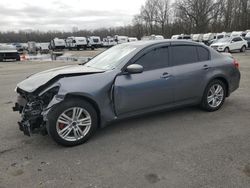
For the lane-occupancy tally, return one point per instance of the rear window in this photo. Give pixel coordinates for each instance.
(203, 53)
(185, 54)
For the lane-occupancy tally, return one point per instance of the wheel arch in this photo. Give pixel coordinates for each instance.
(224, 80)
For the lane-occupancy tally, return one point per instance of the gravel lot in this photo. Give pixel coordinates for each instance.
(181, 148)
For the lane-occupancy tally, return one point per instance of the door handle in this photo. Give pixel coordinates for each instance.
(206, 67)
(165, 75)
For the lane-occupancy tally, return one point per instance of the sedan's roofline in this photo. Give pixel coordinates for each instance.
(167, 41)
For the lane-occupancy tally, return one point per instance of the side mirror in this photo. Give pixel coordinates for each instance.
(134, 69)
(232, 41)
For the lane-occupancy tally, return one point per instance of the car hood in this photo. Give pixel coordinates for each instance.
(40, 79)
(219, 44)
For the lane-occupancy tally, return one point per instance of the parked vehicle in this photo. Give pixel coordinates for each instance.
(197, 37)
(153, 37)
(43, 47)
(120, 39)
(222, 35)
(208, 38)
(247, 34)
(32, 48)
(108, 42)
(237, 34)
(248, 41)
(230, 44)
(94, 41)
(132, 39)
(8, 53)
(182, 36)
(129, 79)
(76, 43)
(57, 44)
(19, 47)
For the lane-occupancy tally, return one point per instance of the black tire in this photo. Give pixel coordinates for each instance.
(243, 49)
(227, 50)
(58, 109)
(204, 103)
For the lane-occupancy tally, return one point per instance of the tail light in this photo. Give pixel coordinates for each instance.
(236, 63)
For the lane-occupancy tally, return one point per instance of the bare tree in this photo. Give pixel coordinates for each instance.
(162, 13)
(198, 12)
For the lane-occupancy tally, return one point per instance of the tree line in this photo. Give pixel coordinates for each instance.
(164, 18)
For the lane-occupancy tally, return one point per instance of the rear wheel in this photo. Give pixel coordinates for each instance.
(227, 50)
(214, 96)
(72, 122)
(243, 49)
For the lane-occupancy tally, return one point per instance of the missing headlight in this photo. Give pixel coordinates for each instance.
(48, 95)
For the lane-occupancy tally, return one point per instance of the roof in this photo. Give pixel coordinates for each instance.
(146, 43)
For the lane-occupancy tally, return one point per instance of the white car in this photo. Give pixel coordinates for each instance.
(230, 44)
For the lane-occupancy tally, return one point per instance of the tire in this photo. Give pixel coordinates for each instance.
(212, 102)
(73, 136)
(227, 50)
(243, 49)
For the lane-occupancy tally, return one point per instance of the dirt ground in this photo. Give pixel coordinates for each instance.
(181, 148)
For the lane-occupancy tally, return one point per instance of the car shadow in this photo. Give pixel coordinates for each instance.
(151, 118)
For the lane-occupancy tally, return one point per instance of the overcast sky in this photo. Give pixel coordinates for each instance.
(65, 14)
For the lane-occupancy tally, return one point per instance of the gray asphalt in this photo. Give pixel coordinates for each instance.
(182, 148)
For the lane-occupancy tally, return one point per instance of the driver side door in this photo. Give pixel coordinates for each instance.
(150, 89)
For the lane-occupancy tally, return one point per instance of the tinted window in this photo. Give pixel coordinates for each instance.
(184, 54)
(155, 59)
(203, 53)
(237, 39)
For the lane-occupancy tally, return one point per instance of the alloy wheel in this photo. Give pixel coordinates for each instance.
(215, 95)
(73, 124)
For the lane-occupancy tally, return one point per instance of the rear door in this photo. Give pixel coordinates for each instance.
(237, 43)
(151, 88)
(191, 64)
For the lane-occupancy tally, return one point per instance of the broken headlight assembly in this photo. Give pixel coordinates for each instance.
(32, 119)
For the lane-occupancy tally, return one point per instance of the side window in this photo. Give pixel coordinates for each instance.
(155, 59)
(237, 39)
(184, 55)
(203, 53)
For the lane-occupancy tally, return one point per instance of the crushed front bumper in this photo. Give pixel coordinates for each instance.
(32, 120)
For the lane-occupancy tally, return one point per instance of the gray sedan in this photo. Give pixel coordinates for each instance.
(130, 79)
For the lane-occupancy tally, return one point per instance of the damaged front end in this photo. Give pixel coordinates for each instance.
(31, 107)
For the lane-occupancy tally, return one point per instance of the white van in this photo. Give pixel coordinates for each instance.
(236, 33)
(197, 37)
(208, 37)
(76, 43)
(94, 41)
(153, 37)
(121, 39)
(132, 39)
(181, 37)
(108, 42)
(57, 44)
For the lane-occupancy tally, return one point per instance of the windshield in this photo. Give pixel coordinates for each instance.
(110, 58)
(223, 40)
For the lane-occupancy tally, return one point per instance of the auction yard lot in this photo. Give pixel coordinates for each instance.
(182, 148)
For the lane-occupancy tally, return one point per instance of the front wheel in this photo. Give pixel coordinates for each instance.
(214, 96)
(72, 122)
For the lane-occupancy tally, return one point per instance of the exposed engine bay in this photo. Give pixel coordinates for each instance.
(31, 107)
